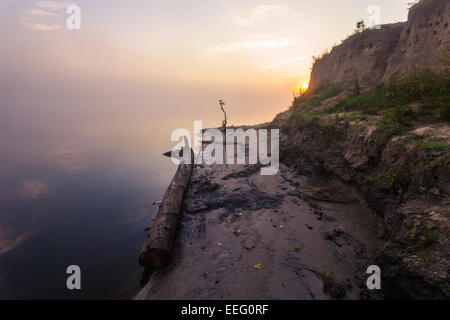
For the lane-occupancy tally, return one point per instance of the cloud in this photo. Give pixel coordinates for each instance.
(30, 23)
(52, 5)
(9, 242)
(261, 14)
(41, 13)
(281, 63)
(37, 18)
(31, 189)
(42, 26)
(242, 45)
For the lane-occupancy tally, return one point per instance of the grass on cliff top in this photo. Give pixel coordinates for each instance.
(316, 100)
(302, 111)
(420, 95)
(430, 89)
(431, 145)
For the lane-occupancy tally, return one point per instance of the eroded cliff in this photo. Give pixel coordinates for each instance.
(371, 57)
(376, 116)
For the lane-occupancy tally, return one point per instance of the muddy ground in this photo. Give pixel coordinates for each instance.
(248, 236)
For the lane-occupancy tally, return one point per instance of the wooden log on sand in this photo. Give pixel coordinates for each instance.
(155, 252)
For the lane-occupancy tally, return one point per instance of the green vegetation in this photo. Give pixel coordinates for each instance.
(428, 145)
(414, 230)
(429, 238)
(431, 91)
(432, 145)
(397, 120)
(419, 95)
(327, 125)
(309, 102)
(423, 255)
(302, 109)
(369, 103)
(428, 88)
(418, 137)
(328, 280)
(355, 116)
(391, 178)
(331, 287)
(301, 118)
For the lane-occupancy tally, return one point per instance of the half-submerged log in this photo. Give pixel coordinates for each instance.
(157, 246)
(177, 154)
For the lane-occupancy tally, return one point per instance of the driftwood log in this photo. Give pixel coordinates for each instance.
(157, 246)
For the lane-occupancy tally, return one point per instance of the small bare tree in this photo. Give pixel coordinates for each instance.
(224, 121)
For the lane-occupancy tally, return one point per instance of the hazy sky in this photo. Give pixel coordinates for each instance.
(141, 64)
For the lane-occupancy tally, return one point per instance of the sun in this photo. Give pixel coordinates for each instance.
(300, 89)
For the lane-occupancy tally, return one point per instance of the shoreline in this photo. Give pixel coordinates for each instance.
(271, 232)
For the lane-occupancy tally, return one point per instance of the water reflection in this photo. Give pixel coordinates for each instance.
(64, 209)
(31, 189)
(84, 119)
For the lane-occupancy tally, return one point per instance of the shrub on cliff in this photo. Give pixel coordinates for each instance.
(418, 95)
(430, 89)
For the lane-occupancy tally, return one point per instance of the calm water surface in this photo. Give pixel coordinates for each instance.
(63, 206)
(85, 117)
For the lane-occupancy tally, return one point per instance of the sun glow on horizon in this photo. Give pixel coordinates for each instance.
(301, 88)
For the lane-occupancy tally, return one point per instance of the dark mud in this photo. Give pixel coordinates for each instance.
(247, 236)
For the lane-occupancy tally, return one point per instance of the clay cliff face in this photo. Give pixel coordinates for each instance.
(369, 58)
(425, 38)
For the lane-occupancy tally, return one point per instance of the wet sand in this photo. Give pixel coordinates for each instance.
(247, 236)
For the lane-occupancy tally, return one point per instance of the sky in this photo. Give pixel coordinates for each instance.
(134, 62)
